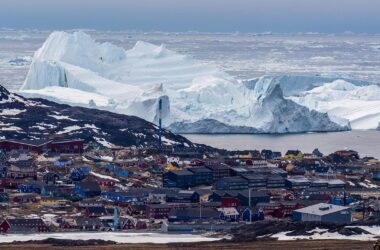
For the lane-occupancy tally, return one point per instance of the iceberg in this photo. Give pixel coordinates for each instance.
(74, 69)
(342, 99)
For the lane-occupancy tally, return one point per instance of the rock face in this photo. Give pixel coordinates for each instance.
(74, 69)
(23, 118)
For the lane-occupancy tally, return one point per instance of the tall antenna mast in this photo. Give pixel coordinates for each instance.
(159, 122)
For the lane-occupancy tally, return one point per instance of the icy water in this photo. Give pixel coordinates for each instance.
(367, 143)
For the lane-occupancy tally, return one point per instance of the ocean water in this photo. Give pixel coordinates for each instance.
(367, 143)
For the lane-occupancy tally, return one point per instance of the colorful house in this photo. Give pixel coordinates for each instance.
(87, 189)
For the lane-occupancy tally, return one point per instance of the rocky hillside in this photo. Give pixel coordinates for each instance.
(22, 118)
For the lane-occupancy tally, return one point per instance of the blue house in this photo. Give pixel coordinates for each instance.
(30, 188)
(255, 214)
(121, 173)
(110, 167)
(4, 197)
(119, 196)
(87, 189)
(342, 201)
(60, 163)
(77, 174)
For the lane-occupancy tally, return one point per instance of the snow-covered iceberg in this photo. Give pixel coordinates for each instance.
(359, 104)
(74, 69)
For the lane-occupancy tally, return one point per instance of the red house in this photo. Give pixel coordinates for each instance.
(8, 183)
(16, 172)
(74, 146)
(157, 211)
(106, 182)
(23, 226)
(230, 202)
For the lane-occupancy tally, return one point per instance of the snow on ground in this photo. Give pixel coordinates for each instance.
(104, 142)
(11, 112)
(62, 117)
(69, 129)
(351, 183)
(104, 176)
(10, 128)
(106, 158)
(119, 237)
(323, 234)
(168, 141)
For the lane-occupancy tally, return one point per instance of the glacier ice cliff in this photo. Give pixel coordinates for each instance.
(74, 69)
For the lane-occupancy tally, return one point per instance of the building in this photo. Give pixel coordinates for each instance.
(120, 196)
(191, 214)
(256, 197)
(179, 179)
(240, 171)
(323, 212)
(16, 172)
(293, 154)
(41, 146)
(275, 181)
(219, 171)
(255, 181)
(183, 196)
(23, 226)
(87, 189)
(232, 183)
(202, 175)
(298, 182)
(157, 211)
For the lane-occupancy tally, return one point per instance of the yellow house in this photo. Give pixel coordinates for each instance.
(289, 167)
(170, 167)
(52, 201)
(247, 156)
(293, 154)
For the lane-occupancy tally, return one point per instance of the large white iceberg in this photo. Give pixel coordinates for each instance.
(72, 68)
(339, 98)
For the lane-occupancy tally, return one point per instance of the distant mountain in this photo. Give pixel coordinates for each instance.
(72, 68)
(22, 118)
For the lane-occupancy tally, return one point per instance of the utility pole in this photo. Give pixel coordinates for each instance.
(200, 209)
(249, 205)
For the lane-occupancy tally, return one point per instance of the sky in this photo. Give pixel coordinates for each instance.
(279, 16)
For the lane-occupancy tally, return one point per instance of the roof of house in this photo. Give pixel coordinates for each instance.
(218, 167)
(200, 170)
(245, 193)
(194, 212)
(233, 179)
(89, 186)
(96, 210)
(82, 221)
(228, 211)
(26, 222)
(182, 172)
(322, 209)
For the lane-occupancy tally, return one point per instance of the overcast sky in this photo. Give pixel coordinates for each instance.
(327, 16)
